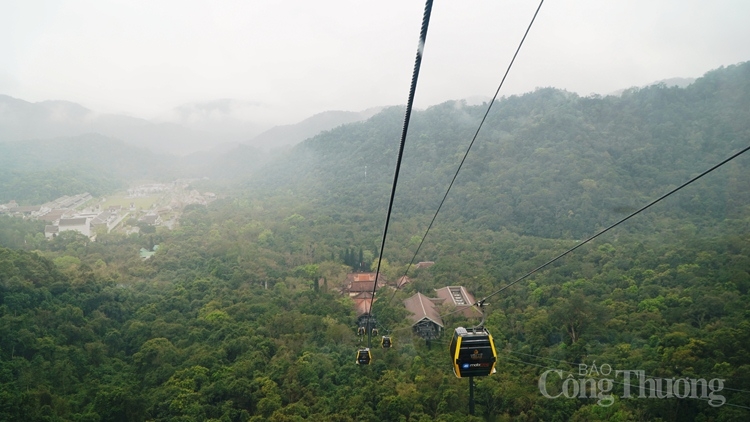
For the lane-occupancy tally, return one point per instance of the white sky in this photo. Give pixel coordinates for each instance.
(144, 58)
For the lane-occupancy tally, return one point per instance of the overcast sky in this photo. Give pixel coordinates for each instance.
(144, 58)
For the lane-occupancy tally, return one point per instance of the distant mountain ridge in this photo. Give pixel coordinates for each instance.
(187, 129)
(548, 163)
(678, 82)
(22, 120)
(288, 135)
(598, 147)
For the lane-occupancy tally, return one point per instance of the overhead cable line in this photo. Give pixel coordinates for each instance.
(474, 138)
(404, 130)
(645, 207)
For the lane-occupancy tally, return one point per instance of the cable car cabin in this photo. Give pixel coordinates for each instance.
(386, 342)
(473, 352)
(363, 356)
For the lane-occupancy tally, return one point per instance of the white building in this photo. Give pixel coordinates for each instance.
(79, 224)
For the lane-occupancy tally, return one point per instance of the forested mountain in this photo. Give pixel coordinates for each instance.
(548, 163)
(37, 171)
(226, 321)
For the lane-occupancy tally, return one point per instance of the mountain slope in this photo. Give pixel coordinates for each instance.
(287, 135)
(548, 163)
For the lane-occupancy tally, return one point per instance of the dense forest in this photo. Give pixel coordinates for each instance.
(225, 321)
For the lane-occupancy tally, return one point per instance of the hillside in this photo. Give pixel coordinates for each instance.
(548, 163)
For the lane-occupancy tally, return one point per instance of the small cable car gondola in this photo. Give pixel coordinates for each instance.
(473, 352)
(386, 342)
(363, 356)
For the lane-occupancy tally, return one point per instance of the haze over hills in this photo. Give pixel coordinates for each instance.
(226, 120)
(678, 82)
(523, 133)
(186, 129)
(541, 159)
(288, 135)
(34, 171)
(210, 127)
(21, 120)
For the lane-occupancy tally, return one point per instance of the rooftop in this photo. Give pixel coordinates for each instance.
(422, 307)
(459, 297)
(72, 221)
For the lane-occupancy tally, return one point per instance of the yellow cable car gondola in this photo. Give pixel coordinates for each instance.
(473, 352)
(363, 356)
(386, 342)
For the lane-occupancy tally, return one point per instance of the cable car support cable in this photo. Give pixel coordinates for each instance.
(407, 117)
(474, 138)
